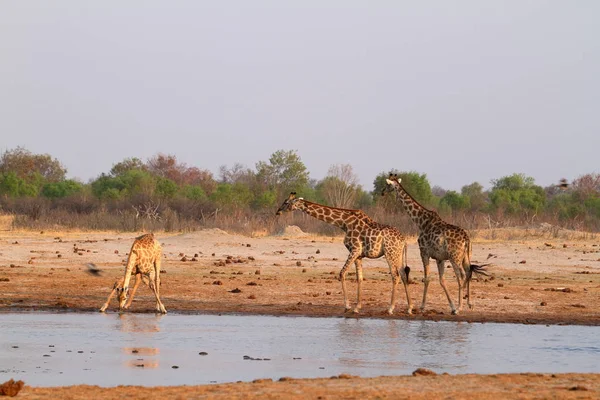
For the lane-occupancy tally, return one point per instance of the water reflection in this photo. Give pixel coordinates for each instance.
(395, 342)
(362, 343)
(142, 328)
(434, 340)
(134, 323)
(431, 336)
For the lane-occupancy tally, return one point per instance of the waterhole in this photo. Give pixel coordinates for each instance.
(45, 349)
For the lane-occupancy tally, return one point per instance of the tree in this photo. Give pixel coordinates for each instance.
(438, 191)
(27, 165)
(131, 183)
(138, 182)
(238, 173)
(167, 166)
(13, 186)
(455, 201)
(586, 186)
(566, 207)
(55, 190)
(232, 196)
(284, 172)
(517, 193)
(127, 165)
(166, 188)
(340, 187)
(477, 198)
(107, 187)
(195, 193)
(199, 177)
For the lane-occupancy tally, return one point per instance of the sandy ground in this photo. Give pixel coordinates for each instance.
(533, 280)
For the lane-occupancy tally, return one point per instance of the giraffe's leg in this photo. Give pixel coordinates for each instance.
(359, 279)
(395, 274)
(138, 280)
(440, 265)
(468, 288)
(460, 278)
(118, 283)
(426, 279)
(132, 261)
(404, 277)
(353, 256)
(152, 285)
(159, 305)
(397, 271)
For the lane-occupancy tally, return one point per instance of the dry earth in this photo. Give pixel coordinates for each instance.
(544, 280)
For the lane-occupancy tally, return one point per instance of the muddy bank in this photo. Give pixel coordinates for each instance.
(532, 281)
(514, 386)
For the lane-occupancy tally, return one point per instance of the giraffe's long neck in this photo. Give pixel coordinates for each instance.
(131, 260)
(335, 216)
(419, 214)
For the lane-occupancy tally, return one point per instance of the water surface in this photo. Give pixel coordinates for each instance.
(45, 349)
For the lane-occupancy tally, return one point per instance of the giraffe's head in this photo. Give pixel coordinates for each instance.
(392, 182)
(122, 295)
(290, 204)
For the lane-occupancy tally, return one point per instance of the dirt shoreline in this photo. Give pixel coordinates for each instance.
(533, 281)
(499, 386)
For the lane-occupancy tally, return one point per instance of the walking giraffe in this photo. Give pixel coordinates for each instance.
(441, 241)
(144, 261)
(364, 238)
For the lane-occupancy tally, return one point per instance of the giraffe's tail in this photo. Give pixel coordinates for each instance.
(473, 268)
(477, 269)
(405, 262)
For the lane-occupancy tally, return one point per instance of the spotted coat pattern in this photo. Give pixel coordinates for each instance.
(438, 240)
(144, 261)
(364, 238)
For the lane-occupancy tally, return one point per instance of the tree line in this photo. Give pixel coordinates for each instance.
(164, 193)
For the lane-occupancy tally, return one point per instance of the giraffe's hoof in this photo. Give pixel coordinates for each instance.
(454, 312)
(409, 311)
(356, 310)
(390, 311)
(347, 309)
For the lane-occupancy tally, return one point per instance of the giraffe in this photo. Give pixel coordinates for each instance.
(144, 262)
(364, 238)
(441, 241)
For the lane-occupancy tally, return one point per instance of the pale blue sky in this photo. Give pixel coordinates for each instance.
(463, 91)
